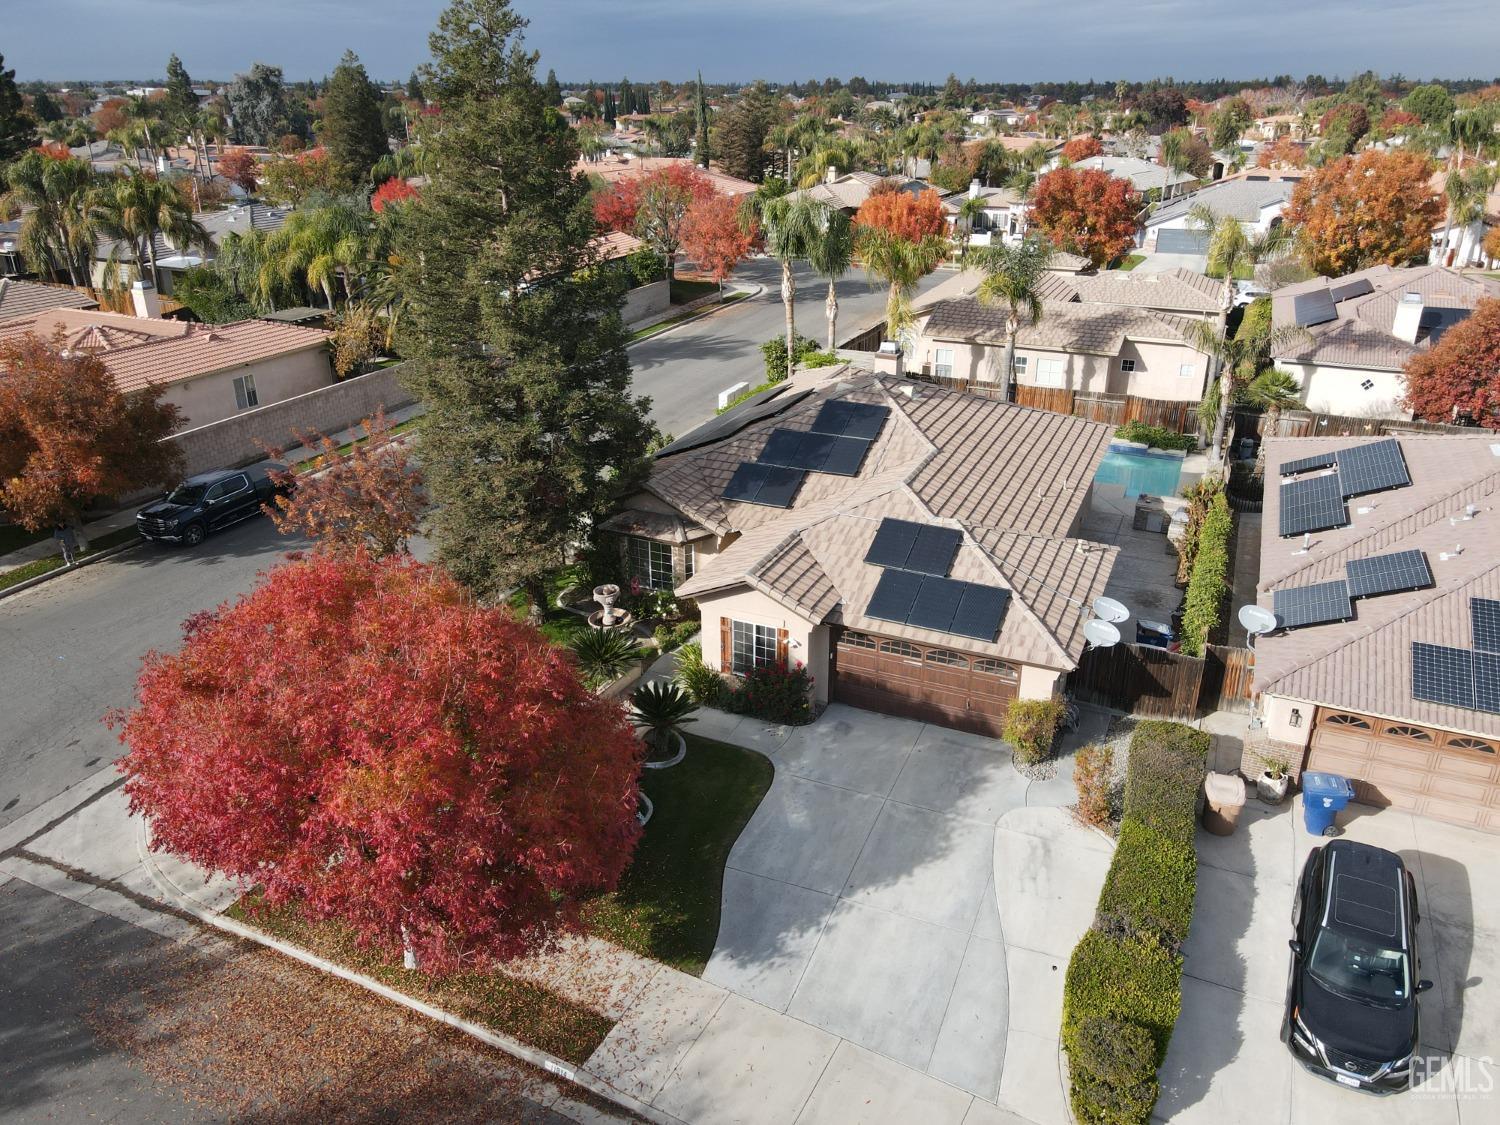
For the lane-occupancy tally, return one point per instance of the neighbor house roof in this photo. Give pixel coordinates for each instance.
(143, 351)
(994, 198)
(1012, 480)
(1348, 320)
(1241, 198)
(849, 191)
(1094, 329)
(24, 298)
(1364, 664)
(1142, 174)
(238, 219)
(1175, 290)
(614, 167)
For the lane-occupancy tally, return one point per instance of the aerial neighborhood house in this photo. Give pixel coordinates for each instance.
(1076, 345)
(209, 371)
(1180, 292)
(613, 167)
(1143, 175)
(1385, 663)
(914, 547)
(173, 260)
(23, 298)
(1255, 200)
(1461, 244)
(847, 192)
(1002, 218)
(1359, 330)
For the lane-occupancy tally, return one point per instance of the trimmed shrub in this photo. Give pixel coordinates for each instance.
(1030, 726)
(1128, 979)
(1162, 780)
(1116, 1075)
(1093, 767)
(1150, 887)
(1158, 437)
(774, 350)
(1209, 585)
(777, 693)
(703, 684)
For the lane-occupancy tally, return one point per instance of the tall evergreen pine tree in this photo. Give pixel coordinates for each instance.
(552, 90)
(701, 107)
(181, 102)
(353, 128)
(516, 342)
(17, 126)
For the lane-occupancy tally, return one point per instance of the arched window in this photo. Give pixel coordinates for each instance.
(901, 648)
(996, 668)
(1465, 742)
(947, 657)
(1353, 722)
(1412, 734)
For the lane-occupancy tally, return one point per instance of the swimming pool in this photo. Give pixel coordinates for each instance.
(1153, 472)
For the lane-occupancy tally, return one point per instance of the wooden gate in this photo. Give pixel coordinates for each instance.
(1227, 674)
(1151, 681)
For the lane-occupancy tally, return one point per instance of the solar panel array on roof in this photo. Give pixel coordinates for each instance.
(1487, 682)
(914, 546)
(1313, 308)
(1440, 674)
(818, 453)
(1357, 287)
(767, 404)
(1312, 504)
(944, 605)
(851, 419)
(770, 485)
(1312, 605)
(1371, 468)
(1484, 620)
(1306, 464)
(1387, 574)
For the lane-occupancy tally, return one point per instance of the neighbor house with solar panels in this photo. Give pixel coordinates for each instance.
(916, 548)
(1358, 331)
(1380, 558)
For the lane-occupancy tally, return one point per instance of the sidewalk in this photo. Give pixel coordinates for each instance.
(48, 548)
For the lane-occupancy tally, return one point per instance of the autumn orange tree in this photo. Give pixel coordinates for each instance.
(718, 237)
(907, 216)
(1377, 208)
(393, 191)
(364, 743)
(1081, 148)
(240, 168)
(1457, 376)
(68, 436)
(1085, 211)
(654, 206)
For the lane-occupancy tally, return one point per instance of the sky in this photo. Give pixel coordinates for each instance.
(778, 40)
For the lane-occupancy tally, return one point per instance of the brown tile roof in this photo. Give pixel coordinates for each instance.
(1012, 479)
(611, 168)
(141, 351)
(1177, 290)
(25, 298)
(1095, 329)
(1365, 664)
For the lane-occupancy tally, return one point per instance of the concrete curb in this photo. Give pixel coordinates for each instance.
(89, 560)
(707, 311)
(567, 1071)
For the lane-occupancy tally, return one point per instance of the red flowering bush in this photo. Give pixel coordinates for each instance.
(778, 693)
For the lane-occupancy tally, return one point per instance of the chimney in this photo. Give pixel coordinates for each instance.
(143, 296)
(974, 189)
(1408, 320)
(831, 175)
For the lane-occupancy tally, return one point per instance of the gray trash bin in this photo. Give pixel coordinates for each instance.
(1224, 797)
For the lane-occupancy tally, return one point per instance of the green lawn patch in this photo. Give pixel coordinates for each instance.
(667, 904)
(1130, 261)
(534, 1015)
(559, 626)
(672, 321)
(13, 537)
(46, 566)
(684, 291)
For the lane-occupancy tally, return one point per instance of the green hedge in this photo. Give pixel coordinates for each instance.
(1123, 990)
(1158, 437)
(1209, 584)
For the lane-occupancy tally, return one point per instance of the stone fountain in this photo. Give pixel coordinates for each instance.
(607, 616)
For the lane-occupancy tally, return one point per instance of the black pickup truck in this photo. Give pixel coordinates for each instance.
(208, 502)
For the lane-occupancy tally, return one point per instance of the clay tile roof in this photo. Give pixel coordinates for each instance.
(1093, 328)
(25, 298)
(1179, 290)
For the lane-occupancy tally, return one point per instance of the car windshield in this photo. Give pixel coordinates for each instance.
(186, 494)
(1360, 970)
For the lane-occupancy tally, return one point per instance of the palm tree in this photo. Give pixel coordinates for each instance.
(1013, 277)
(1173, 158)
(970, 211)
(603, 654)
(1231, 249)
(837, 153)
(1466, 193)
(1229, 357)
(792, 224)
(321, 248)
(57, 224)
(901, 263)
(137, 207)
(661, 709)
(1273, 390)
(831, 253)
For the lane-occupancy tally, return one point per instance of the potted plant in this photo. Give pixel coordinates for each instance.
(1274, 780)
(661, 709)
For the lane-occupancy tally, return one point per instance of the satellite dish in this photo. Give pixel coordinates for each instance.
(1110, 610)
(1257, 619)
(1100, 634)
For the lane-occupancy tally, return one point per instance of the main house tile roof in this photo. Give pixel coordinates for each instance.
(1094, 329)
(1364, 664)
(1175, 290)
(25, 298)
(1013, 480)
(140, 351)
(1242, 199)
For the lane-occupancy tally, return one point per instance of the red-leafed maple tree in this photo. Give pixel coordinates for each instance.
(654, 206)
(1284, 153)
(68, 436)
(361, 740)
(1372, 209)
(1457, 376)
(908, 216)
(1085, 211)
(240, 168)
(717, 237)
(1081, 148)
(393, 190)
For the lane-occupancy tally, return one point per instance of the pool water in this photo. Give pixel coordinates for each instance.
(1140, 470)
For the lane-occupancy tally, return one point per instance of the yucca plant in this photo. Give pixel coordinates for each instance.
(603, 654)
(703, 684)
(661, 709)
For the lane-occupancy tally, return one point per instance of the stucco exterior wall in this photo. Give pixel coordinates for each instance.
(1340, 390)
(1279, 719)
(646, 302)
(1158, 372)
(210, 398)
(1039, 683)
(754, 607)
(1260, 225)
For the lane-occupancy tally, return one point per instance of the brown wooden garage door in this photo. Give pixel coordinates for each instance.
(1430, 772)
(935, 685)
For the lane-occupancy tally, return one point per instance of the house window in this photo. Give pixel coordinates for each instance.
(1368, 384)
(752, 646)
(1464, 742)
(1019, 365)
(688, 566)
(1049, 372)
(995, 668)
(901, 649)
(1413, 734)
(1187, 370)
(947, 657)
(1342, 720)
(651, 563)
(858, 640)
(1127, 365)
(942, 363)
(244, 392)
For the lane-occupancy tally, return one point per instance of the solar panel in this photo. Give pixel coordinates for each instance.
(894, 595)
(1312, 504)
(1440, 674)
(1387, 574)
(819, 453)
(845, 457)
(767, 404)
(1356, 288)
(851, 419)
(1312, 605)
(980, 612)
(1484, 618)
(769, 485)
(918, 547)
(936, 604)
(1313, 308)
(1316, 461)
(1370, 468)
(1487, 682)
(892, 543)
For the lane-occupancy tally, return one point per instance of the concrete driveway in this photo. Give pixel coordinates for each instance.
(1226, 1064)
(861, 897)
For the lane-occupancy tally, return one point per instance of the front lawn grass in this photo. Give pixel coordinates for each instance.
(667, 904)
(13, 537)
(45, 566)
(559, 626)
(1130, 261)
(683, 290)
(534, 1015)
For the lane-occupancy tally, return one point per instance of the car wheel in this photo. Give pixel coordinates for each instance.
(194, 534)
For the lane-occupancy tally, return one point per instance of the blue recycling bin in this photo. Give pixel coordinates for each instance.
(1324, 796)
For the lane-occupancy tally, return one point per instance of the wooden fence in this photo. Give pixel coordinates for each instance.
(1112, 409)
(1151, 681)
(1304, 423)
